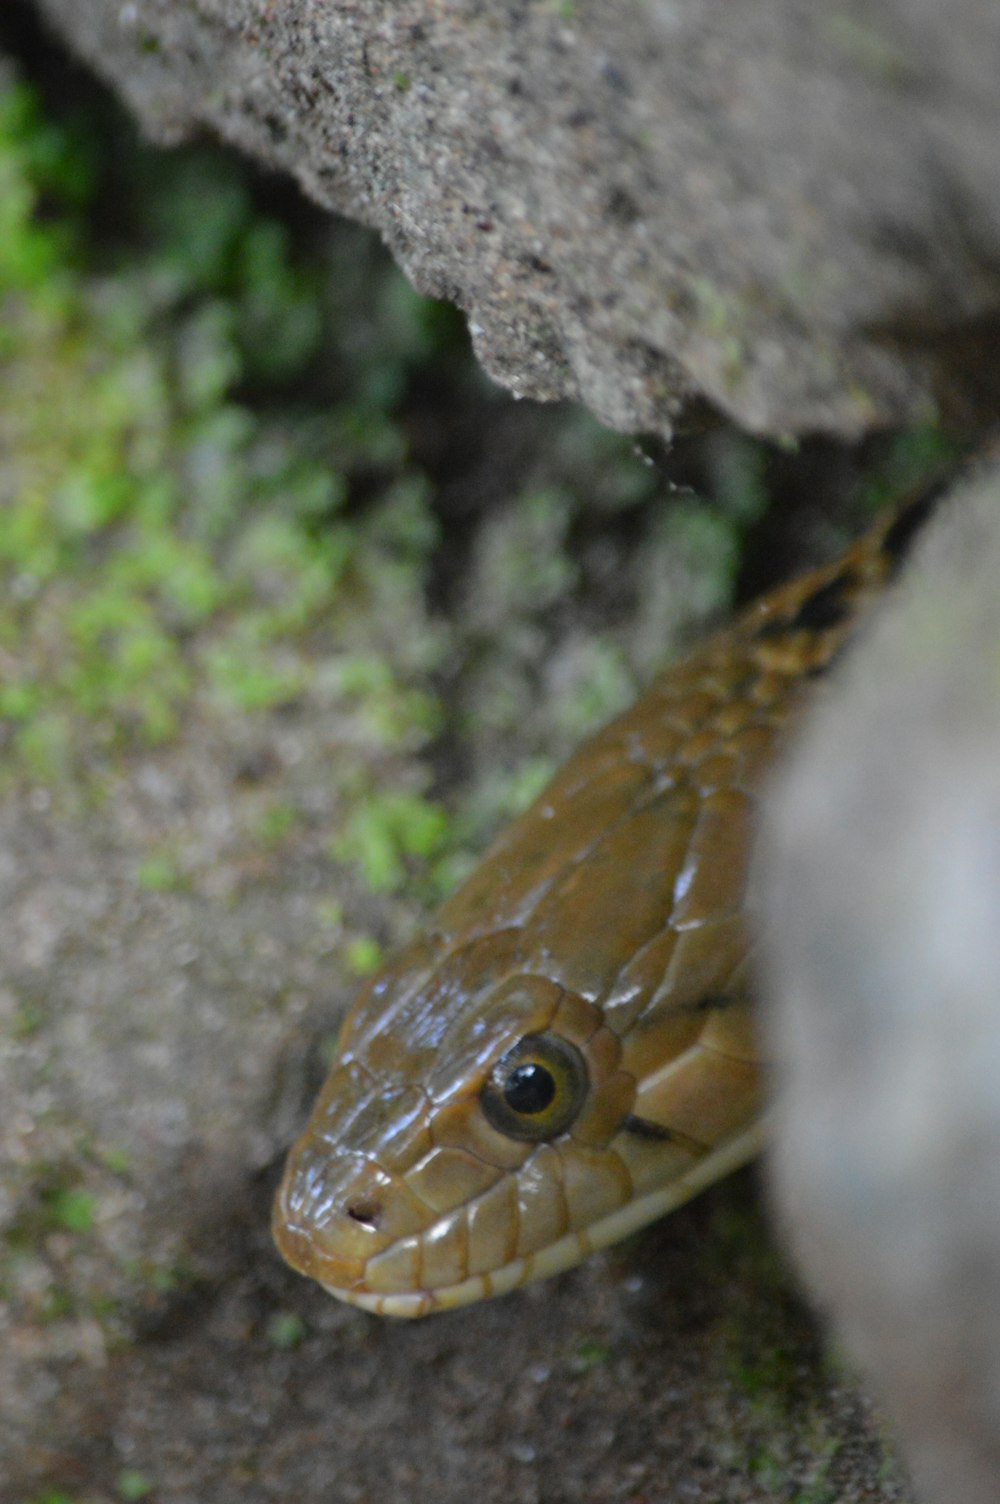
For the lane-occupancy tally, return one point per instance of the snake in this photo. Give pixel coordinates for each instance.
(570, 1049)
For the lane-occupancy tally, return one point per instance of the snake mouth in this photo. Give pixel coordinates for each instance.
(559, 1255)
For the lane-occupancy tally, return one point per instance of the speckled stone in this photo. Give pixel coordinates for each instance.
(787, 210)
(885, 871)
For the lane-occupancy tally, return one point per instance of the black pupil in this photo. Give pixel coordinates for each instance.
(529, 1088)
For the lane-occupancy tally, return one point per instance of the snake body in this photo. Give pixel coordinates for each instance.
(570, 1050)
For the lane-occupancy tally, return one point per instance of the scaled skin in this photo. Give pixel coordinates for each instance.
(613, 915)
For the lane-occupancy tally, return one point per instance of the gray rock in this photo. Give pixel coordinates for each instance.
(787, 210)
(884, 860)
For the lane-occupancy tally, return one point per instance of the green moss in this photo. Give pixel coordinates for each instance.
(387, 832)
(276, 822)
(910, 459)
(213, 514)
(362, 957)
(71, 1209)
(55, 1202)
(817, 1493)
(160, 872)
(58, 1303)
(28, 1019)
(602, 685)
(164, 1279)
(251, 679)
(117, 1159)
(590, 1353)
(329, 912)
(162, 541)
(133, 1484)
(286, 1330)
(740, 475)
(392, 713)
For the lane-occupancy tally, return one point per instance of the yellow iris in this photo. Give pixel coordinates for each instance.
(537, 1089)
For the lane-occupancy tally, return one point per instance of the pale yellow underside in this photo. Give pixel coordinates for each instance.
(573, 1246)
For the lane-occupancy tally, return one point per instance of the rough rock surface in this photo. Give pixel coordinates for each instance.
(152, 1052)
(158, 1047)
(884, 969)
(788, 210)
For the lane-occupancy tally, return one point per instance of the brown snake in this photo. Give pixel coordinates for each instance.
(570, 1050)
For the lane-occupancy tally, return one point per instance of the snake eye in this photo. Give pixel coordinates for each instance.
(536, 1090)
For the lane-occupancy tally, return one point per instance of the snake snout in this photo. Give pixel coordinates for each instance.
(338, 1209)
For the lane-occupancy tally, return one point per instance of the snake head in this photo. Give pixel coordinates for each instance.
(572, 1051)
(448, 1153)
(455, 1153)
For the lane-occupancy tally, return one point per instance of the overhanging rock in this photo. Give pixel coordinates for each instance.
(789, 210)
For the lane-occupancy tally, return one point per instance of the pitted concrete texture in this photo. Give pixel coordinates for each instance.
(884, 860)
(789, 210)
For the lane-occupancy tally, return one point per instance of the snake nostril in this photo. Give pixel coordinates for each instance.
(366, 1210)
